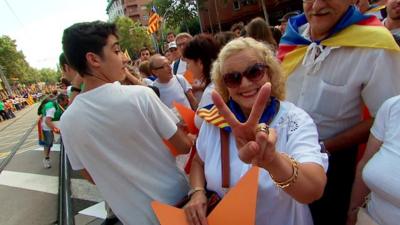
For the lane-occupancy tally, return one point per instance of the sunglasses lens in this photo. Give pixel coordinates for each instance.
(232, 79)
(255, 72)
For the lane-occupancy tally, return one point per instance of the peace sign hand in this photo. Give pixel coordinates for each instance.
(257, 148)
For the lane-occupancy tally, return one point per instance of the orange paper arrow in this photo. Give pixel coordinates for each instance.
(187, 115)
(238, 207)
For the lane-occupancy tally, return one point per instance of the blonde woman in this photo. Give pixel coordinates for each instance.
(250, 96)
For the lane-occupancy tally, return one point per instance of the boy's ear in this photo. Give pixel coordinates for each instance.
(93, 59)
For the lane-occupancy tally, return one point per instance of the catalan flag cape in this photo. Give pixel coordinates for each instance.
(40, 132)
(211, 115)
(353, 30)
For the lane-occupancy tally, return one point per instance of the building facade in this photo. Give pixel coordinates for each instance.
(225, 13)
(134, 9)
(115, 9)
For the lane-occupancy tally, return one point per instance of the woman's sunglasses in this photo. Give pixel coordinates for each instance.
(253, 73)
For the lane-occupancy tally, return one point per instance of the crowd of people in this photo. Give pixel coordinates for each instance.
(288, 100)
(15, 103)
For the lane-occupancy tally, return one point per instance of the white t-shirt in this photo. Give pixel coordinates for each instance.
(332, 86)
(382, 172)
(182, 66)
(49, 113)
(115, 132)
(174, 90)
(204, 101)
(297, 136)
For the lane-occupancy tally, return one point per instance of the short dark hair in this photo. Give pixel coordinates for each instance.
(171, 32)
(62, 60)
(144, 49)
(62, 97)
(203, 47)
(65, 82)
(82, 38)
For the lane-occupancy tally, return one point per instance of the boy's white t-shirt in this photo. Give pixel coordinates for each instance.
(115, 132)
(174, 90)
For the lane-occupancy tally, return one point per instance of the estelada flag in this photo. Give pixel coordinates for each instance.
(153, 21)
(353, 30)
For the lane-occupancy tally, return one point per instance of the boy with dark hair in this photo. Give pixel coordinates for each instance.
(170, 36)
(115, 133)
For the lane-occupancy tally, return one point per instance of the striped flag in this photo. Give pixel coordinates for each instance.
(369, 31)
(153, 21)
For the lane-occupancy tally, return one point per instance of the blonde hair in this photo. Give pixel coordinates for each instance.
(263, 52)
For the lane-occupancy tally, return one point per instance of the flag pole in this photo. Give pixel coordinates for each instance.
(154, 39)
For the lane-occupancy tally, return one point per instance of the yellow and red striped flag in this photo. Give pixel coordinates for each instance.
(153, 21)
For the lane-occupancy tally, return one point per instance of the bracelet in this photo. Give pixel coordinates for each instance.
(194, 190)
(292, 179)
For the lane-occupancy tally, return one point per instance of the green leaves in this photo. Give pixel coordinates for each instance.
(132, 36)
(17, 69)
(176, 13)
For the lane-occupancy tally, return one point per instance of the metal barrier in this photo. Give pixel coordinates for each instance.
(65, 215)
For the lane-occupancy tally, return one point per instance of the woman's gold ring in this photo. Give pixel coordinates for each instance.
(262, 127)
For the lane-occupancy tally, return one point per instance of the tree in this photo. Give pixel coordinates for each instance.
(193, 25)
(17, 69)
(49, 76)
(132, 35)
(13, 61)
(176, 13)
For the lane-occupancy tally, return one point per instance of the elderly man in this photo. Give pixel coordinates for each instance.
(336, 59)
(173, 88)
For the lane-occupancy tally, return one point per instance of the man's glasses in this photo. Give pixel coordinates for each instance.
(253, 73)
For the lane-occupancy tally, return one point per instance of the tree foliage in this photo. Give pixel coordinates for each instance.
(49, 76)
(132, 35)
(176, 13)
(13, 61)
(17, 69)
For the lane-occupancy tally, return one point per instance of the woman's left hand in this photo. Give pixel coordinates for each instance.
(257, 148)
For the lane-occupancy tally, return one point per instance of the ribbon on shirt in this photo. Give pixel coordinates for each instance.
(353, 30)
(211, 115)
